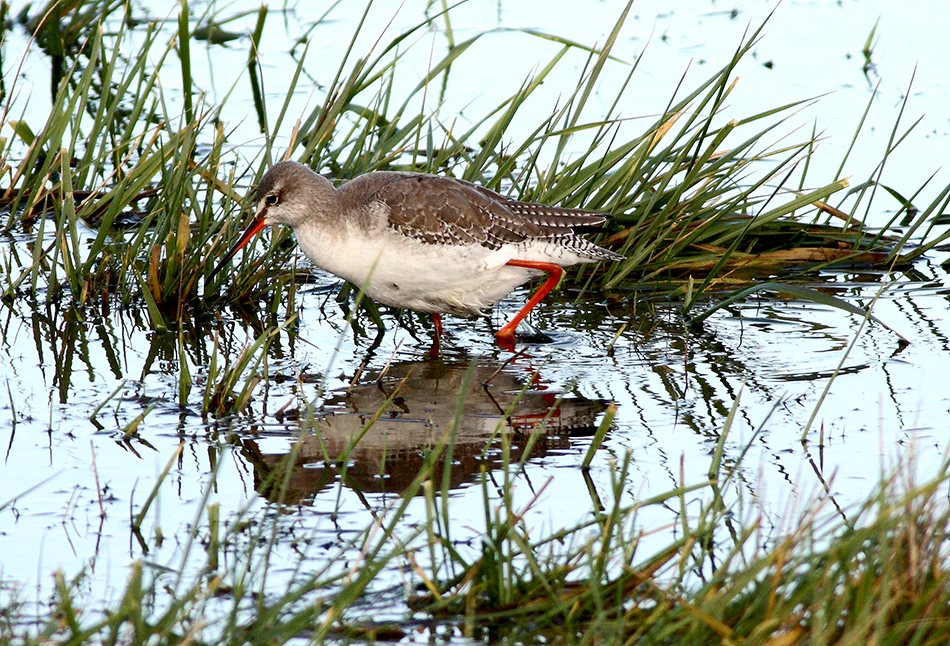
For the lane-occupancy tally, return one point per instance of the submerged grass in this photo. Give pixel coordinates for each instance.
(123, 200)
(883, 576)
(879, 573)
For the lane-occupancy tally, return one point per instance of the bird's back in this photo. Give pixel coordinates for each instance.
(447, 211)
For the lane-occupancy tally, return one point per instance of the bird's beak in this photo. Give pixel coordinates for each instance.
(252, 230)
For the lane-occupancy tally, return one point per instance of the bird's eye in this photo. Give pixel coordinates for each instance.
(271, 199)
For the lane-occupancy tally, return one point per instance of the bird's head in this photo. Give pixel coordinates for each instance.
(287, 194)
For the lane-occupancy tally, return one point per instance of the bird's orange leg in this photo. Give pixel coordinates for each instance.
(437, 342)
(506, 335)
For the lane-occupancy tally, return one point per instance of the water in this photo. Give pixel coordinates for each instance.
(77, 464)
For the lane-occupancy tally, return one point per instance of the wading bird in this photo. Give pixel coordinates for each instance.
(425, 242)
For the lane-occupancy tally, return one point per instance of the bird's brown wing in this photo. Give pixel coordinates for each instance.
(551, 218)
(445, 210)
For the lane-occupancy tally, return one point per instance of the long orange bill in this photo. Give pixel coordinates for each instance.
(252, 230)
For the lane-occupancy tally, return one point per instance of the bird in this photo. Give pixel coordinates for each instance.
(429, 243)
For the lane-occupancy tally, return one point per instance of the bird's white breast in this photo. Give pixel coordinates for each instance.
(399, 271)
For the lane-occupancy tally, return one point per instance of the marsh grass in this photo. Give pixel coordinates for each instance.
(128, 210)
(128, 203)
(876, 573)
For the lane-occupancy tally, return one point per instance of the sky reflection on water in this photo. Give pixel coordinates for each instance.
(75, 380)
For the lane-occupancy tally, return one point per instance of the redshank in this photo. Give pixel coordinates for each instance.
(424, 242)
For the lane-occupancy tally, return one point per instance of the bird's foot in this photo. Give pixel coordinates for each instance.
(505, 339)
(436, 350)
(508, 335)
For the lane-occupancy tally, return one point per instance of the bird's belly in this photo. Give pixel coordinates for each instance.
(458, 289)
(423, 277)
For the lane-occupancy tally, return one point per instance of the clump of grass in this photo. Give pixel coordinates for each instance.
(228, 388)
(95, 163)
(700, 202)
(879, 573)
(883, 575)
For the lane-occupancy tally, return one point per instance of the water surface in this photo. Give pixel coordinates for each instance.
(79, 463)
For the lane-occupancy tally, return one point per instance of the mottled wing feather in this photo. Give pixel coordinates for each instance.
(444, 210)
(554, 217)
(560, 225)
(583, 247)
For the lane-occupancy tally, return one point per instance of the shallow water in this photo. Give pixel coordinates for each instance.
(74, 472)
(673, 390)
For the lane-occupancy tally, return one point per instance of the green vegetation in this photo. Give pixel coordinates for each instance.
(879, 574)
(128, 203)
(692, 210)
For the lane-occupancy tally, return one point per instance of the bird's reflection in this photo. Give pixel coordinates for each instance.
(377, 434)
